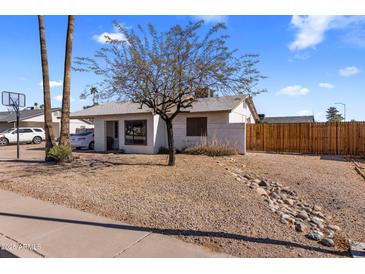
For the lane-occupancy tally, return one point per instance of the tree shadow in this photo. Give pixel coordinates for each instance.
(186, 233)
(22, 161)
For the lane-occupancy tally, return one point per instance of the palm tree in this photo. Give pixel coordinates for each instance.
(93, 92)
(46, 88)
(65, 116)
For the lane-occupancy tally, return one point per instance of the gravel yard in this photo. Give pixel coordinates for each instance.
(199, 200)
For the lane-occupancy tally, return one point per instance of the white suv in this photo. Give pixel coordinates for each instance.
(26, 135)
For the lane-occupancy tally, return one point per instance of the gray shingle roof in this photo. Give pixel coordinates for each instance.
(289, 119)
(225, 103)
(7, 116)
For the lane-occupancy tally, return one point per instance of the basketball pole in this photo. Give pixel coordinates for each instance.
(17, 133)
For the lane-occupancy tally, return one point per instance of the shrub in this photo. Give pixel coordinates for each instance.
(59, 154)
(213, 148)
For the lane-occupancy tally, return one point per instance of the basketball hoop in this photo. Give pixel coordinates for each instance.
(15, 101)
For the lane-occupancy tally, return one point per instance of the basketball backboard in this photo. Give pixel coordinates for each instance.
(13, 99)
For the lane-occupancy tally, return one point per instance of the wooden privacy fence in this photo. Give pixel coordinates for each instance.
(343, 138)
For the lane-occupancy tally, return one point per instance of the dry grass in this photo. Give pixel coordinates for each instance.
(213, 148)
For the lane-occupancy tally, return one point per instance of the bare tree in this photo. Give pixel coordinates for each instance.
(164, 71)
(46, 88)
(66, 97)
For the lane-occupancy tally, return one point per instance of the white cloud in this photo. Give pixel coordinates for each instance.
(212, 18)
(326, 85)
(102, 38)
(311, 29)
(304, 112)
(295, 90)
(52, 84)
(349, 71)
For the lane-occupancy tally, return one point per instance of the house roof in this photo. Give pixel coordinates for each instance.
(10, 116)
(208, 104)
(289, 119)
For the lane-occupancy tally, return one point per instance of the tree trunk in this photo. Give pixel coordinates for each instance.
(171, 143)
(65, 117)
(46, 89)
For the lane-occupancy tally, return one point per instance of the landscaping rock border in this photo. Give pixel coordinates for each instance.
(291, 209)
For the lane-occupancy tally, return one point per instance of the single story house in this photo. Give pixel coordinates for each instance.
(134, 129)
(289, 119)
(35, 118)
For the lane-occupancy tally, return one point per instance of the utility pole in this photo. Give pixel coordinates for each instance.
(344, 110)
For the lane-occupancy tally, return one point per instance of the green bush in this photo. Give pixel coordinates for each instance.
(59, 154)
(213, 148)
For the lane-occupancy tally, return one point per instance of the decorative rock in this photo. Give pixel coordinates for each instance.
(273, 207)
(284, 218)
(333, 227)
(329, 233)
(317, 208)
(327, 242)
(248, 177)
(261, 191)
(308, 209)
(253, 185)
(319, 214)
(300, 227)
(274, 195)
(263, 183)
(315, 235)
(317, 221)
(303, 215)
(289, 201)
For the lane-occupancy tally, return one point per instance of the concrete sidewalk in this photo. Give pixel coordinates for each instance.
(33, 228)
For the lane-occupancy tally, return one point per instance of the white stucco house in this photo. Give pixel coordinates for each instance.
(35, 118)
(128, 127)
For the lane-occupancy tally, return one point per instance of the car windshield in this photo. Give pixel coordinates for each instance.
(8, 130)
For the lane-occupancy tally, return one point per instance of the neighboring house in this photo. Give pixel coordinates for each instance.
(35, 118)
(135, 129)
(289, 119)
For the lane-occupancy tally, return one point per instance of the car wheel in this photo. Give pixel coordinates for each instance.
(4, 142)
(91, 145)
(37, 140)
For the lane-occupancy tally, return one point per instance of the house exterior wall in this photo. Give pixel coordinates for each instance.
(241, 114)
(5, 125)
(100, 133)
(222, 126)
(219, 128)
(55, 126)
(160, 133)
(38, 121)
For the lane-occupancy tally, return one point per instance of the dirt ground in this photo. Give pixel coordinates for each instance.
(198, 200)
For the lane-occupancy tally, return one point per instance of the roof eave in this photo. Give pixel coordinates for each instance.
(252, 108)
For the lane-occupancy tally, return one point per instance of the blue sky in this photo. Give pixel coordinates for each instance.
(311, 62)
